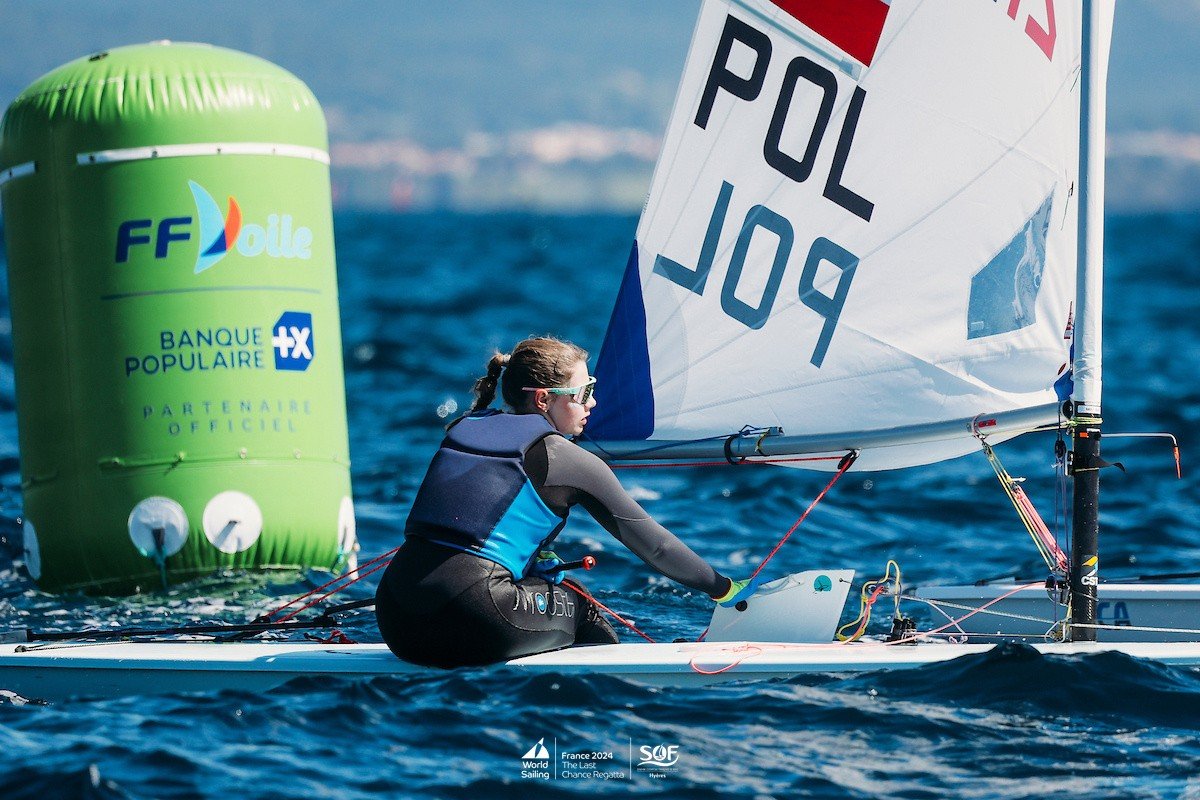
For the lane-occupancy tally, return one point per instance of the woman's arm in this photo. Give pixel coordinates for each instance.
(575, 476)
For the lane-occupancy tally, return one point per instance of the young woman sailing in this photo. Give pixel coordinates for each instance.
(475, 581)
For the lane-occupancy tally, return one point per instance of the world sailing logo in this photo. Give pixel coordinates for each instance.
(538, 751)
(536, 762)
(219, 233)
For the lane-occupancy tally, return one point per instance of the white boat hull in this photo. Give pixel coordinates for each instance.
(128, 668)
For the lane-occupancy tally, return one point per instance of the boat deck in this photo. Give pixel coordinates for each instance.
(109, 669)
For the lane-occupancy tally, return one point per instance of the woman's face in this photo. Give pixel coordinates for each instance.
(567, 416)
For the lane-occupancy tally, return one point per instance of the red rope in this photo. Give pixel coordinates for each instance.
(723, 463)
(333, 591)
(847, 462)
(579, 590)
(747, 651)
(341, 577)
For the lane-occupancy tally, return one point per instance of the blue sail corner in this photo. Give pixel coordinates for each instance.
(624, 393)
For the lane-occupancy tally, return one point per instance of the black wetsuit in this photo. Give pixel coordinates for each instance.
(444, 607)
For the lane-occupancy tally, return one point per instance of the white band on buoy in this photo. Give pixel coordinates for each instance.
(20, 170)
(207, 149)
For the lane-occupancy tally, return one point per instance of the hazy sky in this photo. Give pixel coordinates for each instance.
(432, 71)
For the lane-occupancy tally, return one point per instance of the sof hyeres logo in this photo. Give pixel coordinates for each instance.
(659, 755)
(219, 234)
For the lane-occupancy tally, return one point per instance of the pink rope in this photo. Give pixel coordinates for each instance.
(1039, 528)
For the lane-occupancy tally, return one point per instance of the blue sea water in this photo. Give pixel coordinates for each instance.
(425, 300)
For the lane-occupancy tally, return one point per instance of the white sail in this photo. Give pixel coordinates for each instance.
(862, 229)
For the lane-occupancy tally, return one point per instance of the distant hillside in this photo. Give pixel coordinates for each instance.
(430, 71)
(545, 103)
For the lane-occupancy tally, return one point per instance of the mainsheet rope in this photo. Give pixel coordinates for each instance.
(843, 466)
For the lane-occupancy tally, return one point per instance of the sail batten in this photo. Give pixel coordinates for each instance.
(841, 251)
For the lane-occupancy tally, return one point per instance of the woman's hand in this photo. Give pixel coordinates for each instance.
(738, 591)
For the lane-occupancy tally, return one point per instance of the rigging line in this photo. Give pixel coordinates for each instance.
(748, 461)
(937, 607)
(579, 590)
(1043, 540)
(341, 577)
(866, 605)
(746, 650)
(870, 592)
(1006, 483)
(960, 620)
(937, 604)
(336, 589)
(751, 650)
(746, 430)
(847, 461)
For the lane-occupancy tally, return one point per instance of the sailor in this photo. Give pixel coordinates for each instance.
(475, 581)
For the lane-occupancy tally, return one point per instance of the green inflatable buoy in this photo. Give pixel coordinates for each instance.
(177, 346)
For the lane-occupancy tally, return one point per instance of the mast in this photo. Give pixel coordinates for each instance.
(1085, 400)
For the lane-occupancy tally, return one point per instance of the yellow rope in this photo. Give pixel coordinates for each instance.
(865, 602)
(1008, 483)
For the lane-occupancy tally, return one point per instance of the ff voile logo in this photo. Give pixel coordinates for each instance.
(219, 233)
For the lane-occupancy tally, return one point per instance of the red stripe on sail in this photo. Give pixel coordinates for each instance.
(853, 25)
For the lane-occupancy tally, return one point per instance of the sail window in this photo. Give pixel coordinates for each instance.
(1004, 293)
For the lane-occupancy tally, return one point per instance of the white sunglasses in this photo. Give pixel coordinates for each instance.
(579, 394)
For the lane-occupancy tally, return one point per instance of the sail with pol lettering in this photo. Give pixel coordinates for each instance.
(861, 235)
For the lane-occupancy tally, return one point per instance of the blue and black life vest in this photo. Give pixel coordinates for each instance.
(477, 497)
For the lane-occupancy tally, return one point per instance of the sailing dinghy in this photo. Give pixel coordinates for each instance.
(873, 240)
